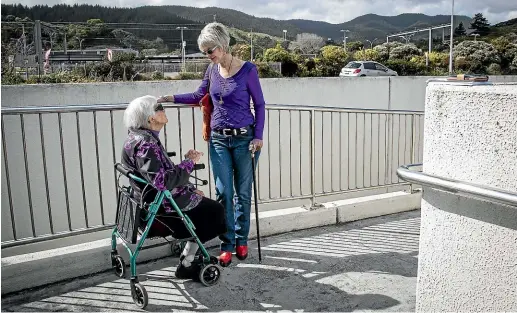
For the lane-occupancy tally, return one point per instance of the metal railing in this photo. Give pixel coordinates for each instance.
(458, 187)
(58, 178)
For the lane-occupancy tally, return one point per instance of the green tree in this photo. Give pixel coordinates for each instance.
(367, 55)
(279, 54)
(480, 24)
(242, 51)
(333, 58)
(354, 46)
(507, 51)
(460, 30)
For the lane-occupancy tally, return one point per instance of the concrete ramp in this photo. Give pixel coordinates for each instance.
(365, 265)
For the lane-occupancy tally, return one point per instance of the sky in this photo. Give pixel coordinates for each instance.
(332, 11)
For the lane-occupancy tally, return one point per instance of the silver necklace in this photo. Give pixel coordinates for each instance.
(224, 83)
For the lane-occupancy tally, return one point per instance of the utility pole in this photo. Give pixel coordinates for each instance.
(430, 40)
(251, 35)
(181, 28)
(430, 47)
(452, 42)
(37, 43)
(344, 37)
(285, 34)
(65, 45)
(24, 42)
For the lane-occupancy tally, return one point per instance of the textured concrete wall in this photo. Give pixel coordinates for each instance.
(468, 247)
(405, 93)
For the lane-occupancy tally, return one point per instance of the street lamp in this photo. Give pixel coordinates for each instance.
(371, 42)
(452, 34)
(80, 43)
(475, 36)
(344, 37)
(285, 34)
(181, 28)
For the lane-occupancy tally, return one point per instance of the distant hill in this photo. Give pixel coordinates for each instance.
(368, 26)
(372, 26)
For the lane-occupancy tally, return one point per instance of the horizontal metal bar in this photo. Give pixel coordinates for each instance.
(456, 186)
(324, 194)
(275, 200)
(14, 243)
(420, 30)
(74, 108)
(122, 106)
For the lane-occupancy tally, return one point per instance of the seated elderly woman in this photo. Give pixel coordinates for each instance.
(144, 154)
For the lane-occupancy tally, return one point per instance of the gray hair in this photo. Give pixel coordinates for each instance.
(214, 34)
(138, 112)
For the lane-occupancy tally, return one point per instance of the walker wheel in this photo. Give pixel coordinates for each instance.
(120, 266)
(210, 274)
(139, 295)
(176, 249)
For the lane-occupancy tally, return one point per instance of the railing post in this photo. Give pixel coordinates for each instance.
(413, 135)
(313, 167)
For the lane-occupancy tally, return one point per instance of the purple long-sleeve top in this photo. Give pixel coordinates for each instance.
(235, 91)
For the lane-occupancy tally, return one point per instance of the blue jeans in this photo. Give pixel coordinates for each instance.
(232, 167)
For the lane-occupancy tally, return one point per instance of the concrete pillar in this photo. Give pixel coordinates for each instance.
(468, 247)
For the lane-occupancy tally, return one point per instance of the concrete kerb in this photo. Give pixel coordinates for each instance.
(41, 268)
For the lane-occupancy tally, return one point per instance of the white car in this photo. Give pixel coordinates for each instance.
(366, 68)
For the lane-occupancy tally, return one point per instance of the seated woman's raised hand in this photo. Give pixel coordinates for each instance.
(194, 155)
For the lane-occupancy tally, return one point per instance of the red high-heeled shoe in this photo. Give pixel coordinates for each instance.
(242, 252)
(225, 258)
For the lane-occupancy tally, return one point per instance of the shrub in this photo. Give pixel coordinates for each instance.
(367, 55)
(385, 48)
(189, 76)
(477, 51)
(404, 52)
(157, 75)
(438, 59)
(265, 71)
(494, 69)
(58, 78)
(11, 78)
(406, 68)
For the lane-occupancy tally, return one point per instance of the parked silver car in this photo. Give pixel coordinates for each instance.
(366, 68)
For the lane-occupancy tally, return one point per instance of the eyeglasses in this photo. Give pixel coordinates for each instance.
(159, 107)
(209, 51)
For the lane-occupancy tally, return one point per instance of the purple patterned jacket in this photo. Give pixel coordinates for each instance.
(144, 153)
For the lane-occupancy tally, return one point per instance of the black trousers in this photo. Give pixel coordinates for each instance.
(208, 217)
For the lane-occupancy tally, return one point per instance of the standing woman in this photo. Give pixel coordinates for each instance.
(233, 82)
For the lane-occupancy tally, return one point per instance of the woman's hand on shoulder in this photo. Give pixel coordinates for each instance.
(163, 99)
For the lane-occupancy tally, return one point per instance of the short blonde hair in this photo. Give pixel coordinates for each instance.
(139, 111)
(214, 34)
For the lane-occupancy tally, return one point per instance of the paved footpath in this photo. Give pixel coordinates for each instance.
(361, 266)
